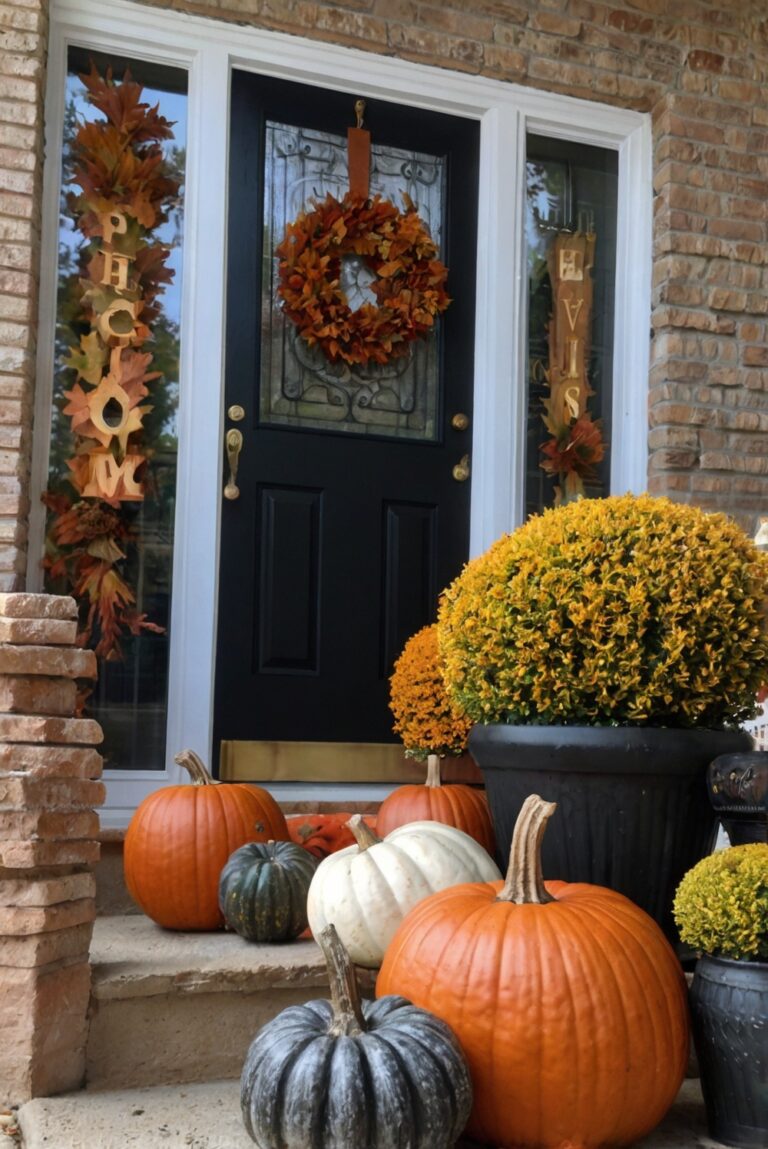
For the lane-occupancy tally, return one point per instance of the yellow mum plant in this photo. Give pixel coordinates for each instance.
(629, 610)
(425, 718)
(721, 905)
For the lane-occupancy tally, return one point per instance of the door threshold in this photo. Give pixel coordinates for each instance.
(333, 762)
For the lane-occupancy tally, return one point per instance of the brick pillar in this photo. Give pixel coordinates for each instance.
(48, 845)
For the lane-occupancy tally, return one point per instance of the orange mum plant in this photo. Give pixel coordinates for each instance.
(425, 718)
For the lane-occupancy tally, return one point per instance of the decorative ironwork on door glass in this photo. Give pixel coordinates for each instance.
(299, 386)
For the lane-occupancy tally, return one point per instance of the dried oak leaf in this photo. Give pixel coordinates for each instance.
(121, 104)
(137, 622)
(79, 411)
(130, 371)
(578, 453)
(79, 468)
(89, 361)
(105, 548)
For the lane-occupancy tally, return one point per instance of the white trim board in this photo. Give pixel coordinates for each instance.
(210, 50)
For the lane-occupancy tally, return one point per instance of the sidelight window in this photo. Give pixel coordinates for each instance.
(571, 204)
(110, 534)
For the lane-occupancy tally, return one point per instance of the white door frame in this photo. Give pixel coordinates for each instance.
(209, 50)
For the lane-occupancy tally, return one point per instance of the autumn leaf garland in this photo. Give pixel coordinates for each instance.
(124, 194)
(576, 447)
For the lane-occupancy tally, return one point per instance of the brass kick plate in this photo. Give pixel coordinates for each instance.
(332, 762)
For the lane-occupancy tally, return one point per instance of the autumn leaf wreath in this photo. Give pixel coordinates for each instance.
(408, 285)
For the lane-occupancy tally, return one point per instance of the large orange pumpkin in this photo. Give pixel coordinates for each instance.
(180, 838)
(567, 1000)
(324, 834)
(454, 805)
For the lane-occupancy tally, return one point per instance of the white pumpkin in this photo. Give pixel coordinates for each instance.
(366, 890)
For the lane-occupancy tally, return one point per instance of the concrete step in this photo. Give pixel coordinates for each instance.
(169, 1007)
(207, 1116)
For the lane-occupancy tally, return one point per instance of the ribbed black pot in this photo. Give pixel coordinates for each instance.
(729, 1012)
(738, 791)
(633, 812)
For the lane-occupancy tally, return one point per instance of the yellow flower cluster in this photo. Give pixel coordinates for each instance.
(425, 718)
(617, 611)
(721, 905)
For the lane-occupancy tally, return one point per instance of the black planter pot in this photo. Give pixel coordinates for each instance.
(633, 812)
(738, 791)
(729, 1012)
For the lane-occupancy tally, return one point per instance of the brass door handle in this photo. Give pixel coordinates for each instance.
(461, 470)
(234, 443)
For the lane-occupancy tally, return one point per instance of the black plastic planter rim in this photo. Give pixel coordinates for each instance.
(601, 749)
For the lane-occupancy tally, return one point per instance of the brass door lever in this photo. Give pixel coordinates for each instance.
(234, 443)
(461, 470)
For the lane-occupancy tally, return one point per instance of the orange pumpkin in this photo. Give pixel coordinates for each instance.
(180, 838)
(454, 805)
(324, 834)
(566, 998)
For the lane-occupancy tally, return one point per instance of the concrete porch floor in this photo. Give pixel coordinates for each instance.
(207, 1116)
(171, 1018)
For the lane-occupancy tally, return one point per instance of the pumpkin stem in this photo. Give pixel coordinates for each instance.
(433, 771)
(362, 832)
(525, 882)
(348, 1020)
(196, 767)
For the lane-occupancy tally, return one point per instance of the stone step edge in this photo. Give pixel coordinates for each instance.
(109, 986)
(171, 964)
(112, 982)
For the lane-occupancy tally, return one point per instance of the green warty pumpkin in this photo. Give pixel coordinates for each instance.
(263, 891)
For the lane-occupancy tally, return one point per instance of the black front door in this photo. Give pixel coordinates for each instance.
(349, 519)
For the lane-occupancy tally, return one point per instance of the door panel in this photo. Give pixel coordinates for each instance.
(345, 530)
(410, 573)
(289, 580)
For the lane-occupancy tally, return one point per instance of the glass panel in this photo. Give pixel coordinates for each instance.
(130, 697)
(571, 239)
(300, 387)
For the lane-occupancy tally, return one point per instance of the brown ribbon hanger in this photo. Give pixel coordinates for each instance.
(359, 154)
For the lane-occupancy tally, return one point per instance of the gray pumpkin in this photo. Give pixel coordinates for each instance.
(342, 1074)
(263, 891)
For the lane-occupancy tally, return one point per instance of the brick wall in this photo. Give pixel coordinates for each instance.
(23, 38)
(709, 376)
(699, 66)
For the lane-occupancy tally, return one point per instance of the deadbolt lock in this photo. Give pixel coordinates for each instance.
(460, 421)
